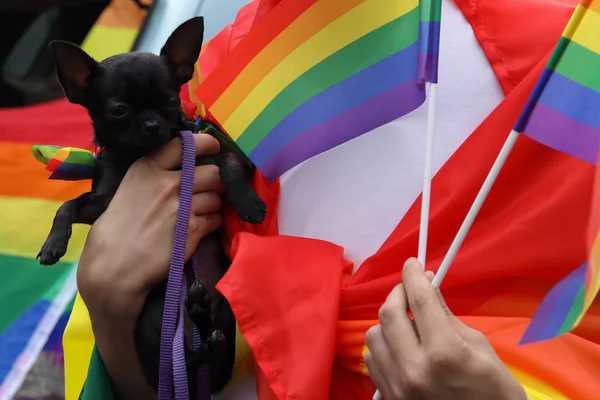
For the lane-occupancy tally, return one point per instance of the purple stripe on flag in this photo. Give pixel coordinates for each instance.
(564, 134)
(429, 47)
(345, 126)
(367, 84)
(555, 307)
(564, 303)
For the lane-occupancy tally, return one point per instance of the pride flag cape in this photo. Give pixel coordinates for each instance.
(563, 112)
(316, 73)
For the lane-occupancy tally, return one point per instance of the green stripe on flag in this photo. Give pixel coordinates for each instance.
(25, 282)
(574, 312)
(570, 65)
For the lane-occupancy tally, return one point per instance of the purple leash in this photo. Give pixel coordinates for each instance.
(172, 367)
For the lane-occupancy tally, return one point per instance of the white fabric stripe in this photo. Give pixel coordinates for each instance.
(355, 195)
(22, 366)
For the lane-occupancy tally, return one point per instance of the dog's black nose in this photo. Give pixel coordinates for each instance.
(151, 127)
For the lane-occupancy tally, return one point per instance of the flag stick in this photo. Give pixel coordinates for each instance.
(475, 207)
(471, 215)
(426, 196)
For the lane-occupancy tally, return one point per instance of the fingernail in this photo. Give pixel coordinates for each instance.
(430, 275)
(411, 261)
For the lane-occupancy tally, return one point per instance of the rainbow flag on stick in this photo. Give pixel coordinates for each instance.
(563, 112)
(314, 74)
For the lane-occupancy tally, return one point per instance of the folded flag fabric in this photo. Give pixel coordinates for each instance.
(313, 74)
(563, 111)
(66, 163)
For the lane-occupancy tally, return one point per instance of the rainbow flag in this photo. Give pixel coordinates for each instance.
(313, 74)
(563, 111)
(65, 163)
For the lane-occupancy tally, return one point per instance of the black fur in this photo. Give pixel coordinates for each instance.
(133, 101)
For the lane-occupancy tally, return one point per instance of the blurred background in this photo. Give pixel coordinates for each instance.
(35, 302)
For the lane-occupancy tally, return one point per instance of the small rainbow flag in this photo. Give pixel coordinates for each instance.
(313, 74)
(66, 163)
(563, 111)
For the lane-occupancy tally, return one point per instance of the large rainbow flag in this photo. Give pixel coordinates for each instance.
(317, 73)
(36, 301)
(563, 113)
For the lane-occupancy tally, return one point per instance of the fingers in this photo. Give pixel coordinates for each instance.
(200, 226)
(396, 326)
(378, 359)
(170, 155)
(206, 177)
(423, 302)
(205, 203)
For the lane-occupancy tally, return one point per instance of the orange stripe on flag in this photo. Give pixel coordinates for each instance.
(24, 176)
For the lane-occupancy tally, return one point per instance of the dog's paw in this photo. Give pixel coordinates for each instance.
(52, 251)
(250, 207)
(198, 305)
(214, 345)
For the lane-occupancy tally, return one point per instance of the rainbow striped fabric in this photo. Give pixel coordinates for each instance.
(314, 74)
(66, 163)
(563, 111)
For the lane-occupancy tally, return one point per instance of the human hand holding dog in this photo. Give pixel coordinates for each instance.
(128, 251)
(437, 358)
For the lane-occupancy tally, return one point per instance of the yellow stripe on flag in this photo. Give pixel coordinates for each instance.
(25, 224)
(351, 26)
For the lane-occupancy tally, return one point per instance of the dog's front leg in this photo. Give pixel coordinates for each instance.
(85, 209)
(233, 174)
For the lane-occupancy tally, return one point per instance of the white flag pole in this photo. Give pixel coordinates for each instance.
(472, 214)
(426, 196)
(475, 207)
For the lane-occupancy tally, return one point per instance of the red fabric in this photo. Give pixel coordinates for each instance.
(285, 292)
(515, 34)
(529, 234)
(56, 122)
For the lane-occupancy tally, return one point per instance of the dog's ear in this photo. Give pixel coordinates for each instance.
(74, 68)
(183, 48)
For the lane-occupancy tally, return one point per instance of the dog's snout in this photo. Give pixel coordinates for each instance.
(151, 127)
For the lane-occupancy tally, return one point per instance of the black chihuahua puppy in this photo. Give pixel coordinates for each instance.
(133, 101)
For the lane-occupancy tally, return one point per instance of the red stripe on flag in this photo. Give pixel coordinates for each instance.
(259, 37)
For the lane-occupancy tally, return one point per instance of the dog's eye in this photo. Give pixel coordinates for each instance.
(118, 110)
(174, 103)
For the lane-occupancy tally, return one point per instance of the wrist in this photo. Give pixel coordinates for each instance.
(107, 295)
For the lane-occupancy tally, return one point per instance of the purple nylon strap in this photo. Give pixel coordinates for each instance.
(172, 367)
